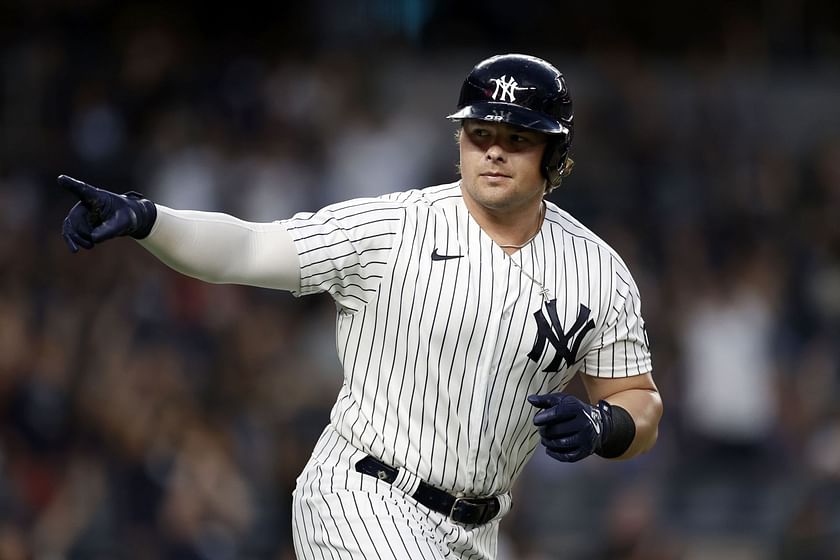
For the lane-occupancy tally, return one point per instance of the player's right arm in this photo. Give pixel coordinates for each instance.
(210, 246)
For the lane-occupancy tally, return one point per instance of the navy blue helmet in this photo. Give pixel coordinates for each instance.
(523, 91)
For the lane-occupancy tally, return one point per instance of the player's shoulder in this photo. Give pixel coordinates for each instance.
(561, 220)
(419, 204)
(436, 195)
(386, 206)
(566, 226)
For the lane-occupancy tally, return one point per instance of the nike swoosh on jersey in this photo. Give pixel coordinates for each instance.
(439, 257)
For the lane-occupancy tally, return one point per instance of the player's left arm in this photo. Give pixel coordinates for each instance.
(623, 417)
(636, 394)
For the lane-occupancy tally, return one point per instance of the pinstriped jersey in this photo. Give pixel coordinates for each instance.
(442, 335)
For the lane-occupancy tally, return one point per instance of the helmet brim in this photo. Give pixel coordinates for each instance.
(494, 111)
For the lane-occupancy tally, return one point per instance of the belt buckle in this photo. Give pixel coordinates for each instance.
(475, 519)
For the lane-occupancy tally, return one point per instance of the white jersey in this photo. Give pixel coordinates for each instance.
(442, 335)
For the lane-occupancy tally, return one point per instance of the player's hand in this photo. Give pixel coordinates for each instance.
(101, 215)
(570, 429)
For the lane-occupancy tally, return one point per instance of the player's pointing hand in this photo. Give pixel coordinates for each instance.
(101, 215)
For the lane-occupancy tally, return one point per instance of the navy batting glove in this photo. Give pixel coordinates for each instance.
(571, 429)
(101, 215)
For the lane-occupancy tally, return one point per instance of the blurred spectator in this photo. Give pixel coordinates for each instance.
(730, 367)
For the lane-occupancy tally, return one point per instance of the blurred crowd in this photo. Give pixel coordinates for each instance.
(144, 414)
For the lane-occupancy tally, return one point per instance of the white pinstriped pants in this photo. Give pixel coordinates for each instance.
(340, 514)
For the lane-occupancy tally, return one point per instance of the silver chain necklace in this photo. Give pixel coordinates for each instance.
(545, 293)
(539, 227)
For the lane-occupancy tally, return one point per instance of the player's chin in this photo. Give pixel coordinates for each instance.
(493, 198)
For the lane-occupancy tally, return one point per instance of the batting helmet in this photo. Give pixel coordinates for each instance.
(524, 91)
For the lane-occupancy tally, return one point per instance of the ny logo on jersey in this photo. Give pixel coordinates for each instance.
(505, 89)
(553, 332)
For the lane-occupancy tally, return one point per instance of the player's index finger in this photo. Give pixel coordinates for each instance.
(540, 401)
(82, 190)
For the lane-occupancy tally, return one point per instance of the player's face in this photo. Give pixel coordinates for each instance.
(500, 165)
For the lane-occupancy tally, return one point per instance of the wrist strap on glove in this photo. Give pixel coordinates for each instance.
(619, 430)
(144, 215)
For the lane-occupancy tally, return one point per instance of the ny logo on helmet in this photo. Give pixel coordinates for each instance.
(505, 89)
(498, 116)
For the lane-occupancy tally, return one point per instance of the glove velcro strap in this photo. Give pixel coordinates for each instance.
(621, 433)
(145, 214)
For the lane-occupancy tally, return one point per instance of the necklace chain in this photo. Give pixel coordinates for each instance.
(536, 232)
(544, 292)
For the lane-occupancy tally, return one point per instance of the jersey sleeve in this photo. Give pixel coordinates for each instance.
(344, 249)
(621, 349)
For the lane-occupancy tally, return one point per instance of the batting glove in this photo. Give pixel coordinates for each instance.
(571, 429)
(101, 215)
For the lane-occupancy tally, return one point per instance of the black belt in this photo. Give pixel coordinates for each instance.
(468, 511)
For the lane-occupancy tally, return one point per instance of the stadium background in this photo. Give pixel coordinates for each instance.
(146, 415)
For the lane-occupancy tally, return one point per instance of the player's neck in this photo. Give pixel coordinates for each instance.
(511, 230)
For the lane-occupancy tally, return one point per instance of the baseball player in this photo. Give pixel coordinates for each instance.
(463, 311)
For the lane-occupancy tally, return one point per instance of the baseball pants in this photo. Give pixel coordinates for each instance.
(340, 514)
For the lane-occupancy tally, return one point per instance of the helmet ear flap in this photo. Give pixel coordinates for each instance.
(556, 162)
